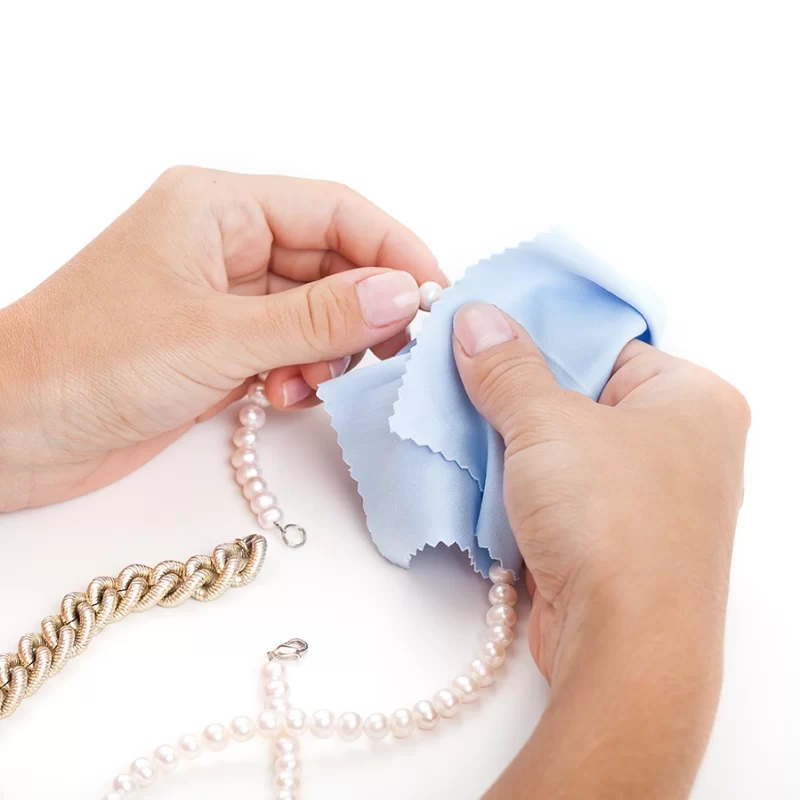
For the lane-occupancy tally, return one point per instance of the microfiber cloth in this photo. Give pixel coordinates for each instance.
(428, 466)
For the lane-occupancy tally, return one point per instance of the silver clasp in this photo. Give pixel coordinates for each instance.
(289, 651)
(293, 535)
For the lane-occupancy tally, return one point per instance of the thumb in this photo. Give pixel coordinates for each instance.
(327, 319)
(505, 375)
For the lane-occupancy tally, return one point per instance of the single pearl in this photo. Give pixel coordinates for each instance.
(277, 688)
(500, 634)
(466, 688)
(502, 594)
(481, 672)
(255, 394)
(287, 763)
(143, 772)
(274, 670)
(376, 726)
(244, 455)
(165, 758)
(295, 721)
(425, 715)
(270, 517)
(216, 737)
(254, 487)
(243, 729)
(263, 502)
(189, 746)
(322, 724)
(286, 746)
(245, 437)
(287, 780)
(349, 726)
(499, 575)
(429, 293)
(280, 705)
(492, 654)
(246, 473)
(501, 615)
(446, 703)
(269, 723)
(252, 416)
(402, 723)
(124, 784)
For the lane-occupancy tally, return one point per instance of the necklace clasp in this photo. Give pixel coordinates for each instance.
(289, 651)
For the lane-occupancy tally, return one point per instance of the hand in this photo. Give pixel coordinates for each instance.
(625, 512)
(209, 279)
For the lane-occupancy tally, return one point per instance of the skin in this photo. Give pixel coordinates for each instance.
(624, 510)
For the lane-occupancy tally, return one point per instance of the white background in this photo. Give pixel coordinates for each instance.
(661, 134)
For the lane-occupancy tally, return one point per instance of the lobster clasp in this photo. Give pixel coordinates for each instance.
(291, 650)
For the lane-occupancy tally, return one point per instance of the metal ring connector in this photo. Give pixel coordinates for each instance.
(298, 539)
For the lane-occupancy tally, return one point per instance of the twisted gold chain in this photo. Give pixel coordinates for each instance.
(83, 615)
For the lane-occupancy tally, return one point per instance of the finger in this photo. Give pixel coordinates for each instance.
(504, 374)
(637, 363)
(391, 347)
(321, 321)
(318, 215)
(315, 374)
(307, 265)
(286, 388)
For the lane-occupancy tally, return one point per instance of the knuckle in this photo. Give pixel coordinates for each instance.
(327, 319)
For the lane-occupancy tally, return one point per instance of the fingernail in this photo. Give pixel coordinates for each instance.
(339, 366)
(388, 298)
(295, 390)
(479, 326)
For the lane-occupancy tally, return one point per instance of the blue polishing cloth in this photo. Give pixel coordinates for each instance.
(428, 466)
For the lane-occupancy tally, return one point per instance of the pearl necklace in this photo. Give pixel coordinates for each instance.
(281, 723)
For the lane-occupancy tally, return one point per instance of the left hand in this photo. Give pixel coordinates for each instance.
(160, 322)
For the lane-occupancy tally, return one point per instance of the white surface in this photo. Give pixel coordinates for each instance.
(665, 138)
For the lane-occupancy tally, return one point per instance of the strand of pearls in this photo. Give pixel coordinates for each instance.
(282, 724)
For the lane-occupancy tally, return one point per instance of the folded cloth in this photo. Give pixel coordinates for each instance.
(428, 466)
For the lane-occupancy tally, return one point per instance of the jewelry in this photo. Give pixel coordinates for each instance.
(282, 724)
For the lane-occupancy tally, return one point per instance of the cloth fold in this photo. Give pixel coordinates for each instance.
(429, 468)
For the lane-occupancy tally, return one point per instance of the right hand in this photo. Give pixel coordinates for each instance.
(629, 504)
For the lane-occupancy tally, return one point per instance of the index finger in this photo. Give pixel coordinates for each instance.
(308, 215)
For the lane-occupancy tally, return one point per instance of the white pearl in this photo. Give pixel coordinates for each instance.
(425, 715)
(247, 473)
(216, 737)
(402, 723)
(165, 758)
(269, 723)
(243, 729)
(482, 673)
(446, 703)
(277, 688)
(255, 394)
(244, 455)
(499, 575)
(287, 780)
(274, 670)
(286, 746)
(492, 654)
(501, 615)
(254, 487)
(429, 293)
(245, 437)
(280, 705)
(189, 746)
(287, 764)
(466, 688)
(295, 721)
(252, 416)
(143, 772)
(263, 502)
(376, 726)
(270, 517)
(502, 594)
(124, 784)
(349, 726)
(500, 634)
(323, 724)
